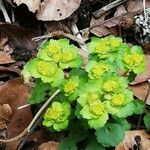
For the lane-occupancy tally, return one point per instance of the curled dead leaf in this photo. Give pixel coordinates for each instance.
(16, 94)
(6, 114)
(134, 5)
(51, 145)
(5, 58)
(129, 141)
(140, 91)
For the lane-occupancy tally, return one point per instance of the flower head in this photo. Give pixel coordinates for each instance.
(57, 115)
(48, 71)
(104, 47)
(97, 69)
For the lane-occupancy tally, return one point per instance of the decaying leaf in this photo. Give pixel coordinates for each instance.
(49, 146)
(5, 115)
(130, 143)
(16, 94)
(134, 5)
(5, 58)
(140, 91)
(57, 9)
(33, 5)
(17, 37)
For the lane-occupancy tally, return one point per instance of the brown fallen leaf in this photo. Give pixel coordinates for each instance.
(16, 94)
(10, 69)
(134, 5)
(144, 76)
(5, 58)
(140, 91)
(18, 39)
(102, 30)
(129, 141)
(120, 10)
(57, 9)
(5, 115)
(49, 146)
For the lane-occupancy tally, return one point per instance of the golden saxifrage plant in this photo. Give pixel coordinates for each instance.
(94, 101)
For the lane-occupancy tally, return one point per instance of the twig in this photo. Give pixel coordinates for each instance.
(28, 129)
(101, 11)
(108, 20)
(59, 33)
(145, 100)
(3, 9)
(38, 121)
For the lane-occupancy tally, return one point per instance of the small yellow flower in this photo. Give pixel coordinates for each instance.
(53, 48)
(92, 97)
(118, 99)
(46, 68)
(97, 109)
(57, 56)
(99, 70)
(67, 56)
(55, 113)
(70, 86)
(110, 85)
(133, 59)
(102, 48)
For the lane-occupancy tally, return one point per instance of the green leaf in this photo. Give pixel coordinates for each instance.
(131, 76)
(77, 132)
(110, 135)
(126, 110)
(94, 145)
(39, 92)
(139, 106)
(123, 122)
(147, 121)
(67, 144)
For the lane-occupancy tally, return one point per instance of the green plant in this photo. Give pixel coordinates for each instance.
(94, 95)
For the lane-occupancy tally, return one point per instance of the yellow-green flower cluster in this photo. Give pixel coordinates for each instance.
(134, 60)
(71, 86)
(60, 51)
(48, 71)
(56, 116)
(103, 47)
(99, 69)
(93, 110)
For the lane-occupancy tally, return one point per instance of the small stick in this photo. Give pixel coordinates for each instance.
(83, 51)
(108, 20)
(38, 121)
(59, 33)
(101, 11)
(28, 129)
(3, 9)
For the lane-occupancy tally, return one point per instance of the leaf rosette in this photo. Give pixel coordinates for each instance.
(56, 116)
(104, 47)
(61, 52)
(48, 71)
(96, 70)
(120, 103)
(93, 110)
(132, 59)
